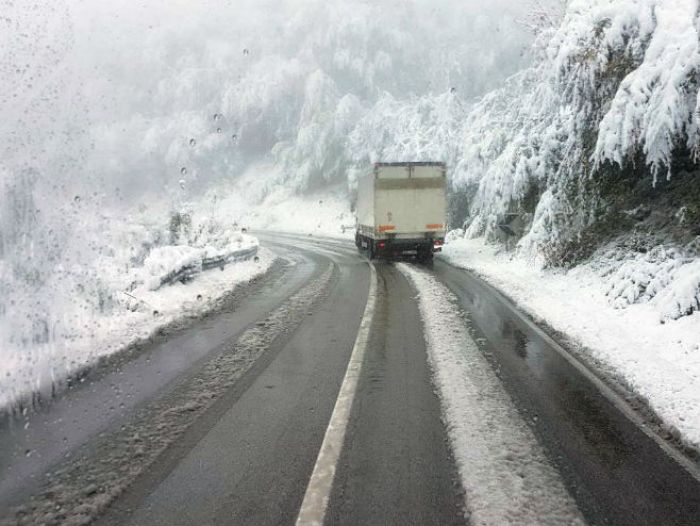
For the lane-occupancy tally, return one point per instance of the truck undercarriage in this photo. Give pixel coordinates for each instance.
(421, 249)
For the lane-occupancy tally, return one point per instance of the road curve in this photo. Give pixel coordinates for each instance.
(74, 441)
(225, 418)
(253, 462)
(106, 397)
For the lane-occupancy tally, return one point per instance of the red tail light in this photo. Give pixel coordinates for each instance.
(382, 244)
(439, 242)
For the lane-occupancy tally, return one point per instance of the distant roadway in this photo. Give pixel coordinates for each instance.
(314, 402)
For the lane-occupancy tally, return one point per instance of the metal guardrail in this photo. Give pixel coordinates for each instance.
(188, 272)
(232, 257)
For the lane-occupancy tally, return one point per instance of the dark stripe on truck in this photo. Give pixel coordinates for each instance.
(379, 165)
(415, 183)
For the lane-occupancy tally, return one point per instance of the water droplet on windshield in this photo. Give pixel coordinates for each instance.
(76, 199)
(193, 142)
(28, 453)
(182, 184)
(217, 116)
(183, 170)
(218, 130)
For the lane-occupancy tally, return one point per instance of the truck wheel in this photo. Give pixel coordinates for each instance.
(370, 250)
(425, 256)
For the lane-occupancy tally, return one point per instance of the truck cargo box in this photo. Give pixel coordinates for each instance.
(402, 205)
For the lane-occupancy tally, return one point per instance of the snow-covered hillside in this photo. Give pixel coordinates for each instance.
(120, 120)
(612, 99)
(592, 152)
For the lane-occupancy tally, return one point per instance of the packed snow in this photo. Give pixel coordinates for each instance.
(656, 359)
(507, 478)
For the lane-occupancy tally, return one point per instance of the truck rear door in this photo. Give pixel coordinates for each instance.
(410, 200)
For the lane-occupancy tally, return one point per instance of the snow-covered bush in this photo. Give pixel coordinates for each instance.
(667, 279)
(640, 279)
(574, 147)
(682, 296)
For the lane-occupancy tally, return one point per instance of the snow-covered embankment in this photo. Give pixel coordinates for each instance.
(137, 298)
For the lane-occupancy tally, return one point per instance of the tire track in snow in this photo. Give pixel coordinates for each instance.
(506, 476)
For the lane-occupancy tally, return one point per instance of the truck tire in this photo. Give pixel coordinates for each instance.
(425, 255)
(370, 250)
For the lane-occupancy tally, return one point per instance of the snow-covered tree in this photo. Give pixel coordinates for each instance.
(616, 85)
(543, 15)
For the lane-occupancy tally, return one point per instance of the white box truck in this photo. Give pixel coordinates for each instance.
(402, 210)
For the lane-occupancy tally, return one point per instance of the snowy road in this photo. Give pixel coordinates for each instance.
(228, 415)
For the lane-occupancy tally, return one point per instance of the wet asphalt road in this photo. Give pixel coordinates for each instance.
(253, 465)
(248, 460)
(396, 466)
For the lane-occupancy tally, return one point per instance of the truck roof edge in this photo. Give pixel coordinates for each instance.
(421, 163)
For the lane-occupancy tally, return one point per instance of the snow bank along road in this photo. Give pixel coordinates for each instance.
(335, 392)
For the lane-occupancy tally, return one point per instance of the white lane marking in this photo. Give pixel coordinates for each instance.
(315, 503)
(506, 475)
